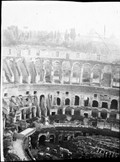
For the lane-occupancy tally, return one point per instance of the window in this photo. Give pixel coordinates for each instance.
(53, 113)
(67, 101)
(95, 95)
(103, 114)
(95, 103)
(76, 100)
(114, 104)
(104, 105)
(58, 101)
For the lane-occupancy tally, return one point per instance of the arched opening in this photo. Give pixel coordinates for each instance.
(86, 101)
(96, 74)
(58, 101)
(94, 113)
(95, 103)
(42, 140)
(77, 100)
(60, 111)
(86, 73)
(47, 68)
(23, 114)
(67, 101)
(103, 114)
(39, 69)
(56, 72)
(33, 112)
(76, 70)
(28, 113)
(52, 138)
(66, 71)
(59, 138)
(77, 112)
(68, 111)
(113, 115)
(114, 104)
(104, 105)
(106, 78)
(116, 77)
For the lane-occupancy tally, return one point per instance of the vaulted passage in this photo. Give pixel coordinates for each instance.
(114, 104)
(95, 103)
(94, 113)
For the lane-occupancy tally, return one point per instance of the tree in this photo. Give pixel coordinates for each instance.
(72, 34)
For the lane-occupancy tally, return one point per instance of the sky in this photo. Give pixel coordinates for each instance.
(56, 15)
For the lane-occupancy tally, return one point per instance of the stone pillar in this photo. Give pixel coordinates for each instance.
(24, 114)
(63, 111)
(72, 112)
(118, 116)
(35, 112)
(99, 114)
(30, 113)
(108, 114)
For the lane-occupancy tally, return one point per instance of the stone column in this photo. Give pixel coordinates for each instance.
(63, 111)
(99, 114)
(72, 112)
(24, 114)
(108, 114)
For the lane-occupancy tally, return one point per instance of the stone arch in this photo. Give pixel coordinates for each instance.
(58, 101)
(103, 114)
(114, 104)
(95, 103)
(52, 138)
(39, 69)
(94, 113)
(104, 105)
(32, 70)
(76, 71)
(96, 74)
(47, 69)
(86, 73)
(60, 111)
(77, 112)
(106, 76)
(67, 101)
(116, 77)
(56, 67)
(66, 72)
(42, 138)
(68, 111)
(113, 115)
(77, 100)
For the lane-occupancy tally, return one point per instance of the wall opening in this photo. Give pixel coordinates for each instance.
(94, 113)
(114, 104)
(42, 140)
(52, 138)
(58, 101)
(67, 101)
(95, 103)
(77, 100)
(68, 111)
(77, 112)
(86, 102)
(53, 113)
(60, 111)
(104, 105)
(103, 114)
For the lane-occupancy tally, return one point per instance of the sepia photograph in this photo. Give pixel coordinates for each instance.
(60, 80)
